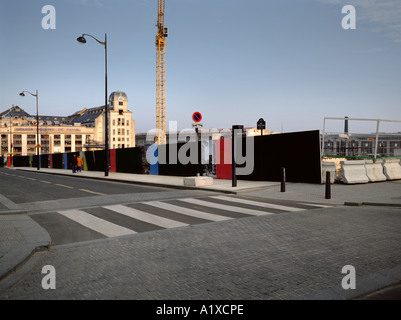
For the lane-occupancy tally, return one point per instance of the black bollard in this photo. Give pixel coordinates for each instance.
(282, 180)
(328, 185)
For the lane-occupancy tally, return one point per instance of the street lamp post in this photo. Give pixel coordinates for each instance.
(22, 94)
(82, 39)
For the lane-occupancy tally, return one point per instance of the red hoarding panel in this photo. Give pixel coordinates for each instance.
(223, 159)
(112, 160)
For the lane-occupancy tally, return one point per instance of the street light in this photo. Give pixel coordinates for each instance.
(22, 94)
(82, 39)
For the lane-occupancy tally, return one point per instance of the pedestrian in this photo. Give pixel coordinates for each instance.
(80, 163)
(74, 164)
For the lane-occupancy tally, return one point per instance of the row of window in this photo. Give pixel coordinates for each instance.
(120, 132)
(120, 122)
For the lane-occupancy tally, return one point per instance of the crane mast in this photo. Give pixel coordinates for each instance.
(160, 75)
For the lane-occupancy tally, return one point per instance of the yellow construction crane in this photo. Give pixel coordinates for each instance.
(160, 76)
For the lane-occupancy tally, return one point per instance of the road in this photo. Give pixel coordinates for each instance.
(137, 242)
(74, 210)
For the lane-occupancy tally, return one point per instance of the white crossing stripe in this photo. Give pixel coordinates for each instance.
(188, 212)
(225, 207)
(147, 217)
(316, 205)
(102, 226)
(258, 204)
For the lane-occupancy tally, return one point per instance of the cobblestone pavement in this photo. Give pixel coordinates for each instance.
(283, 256)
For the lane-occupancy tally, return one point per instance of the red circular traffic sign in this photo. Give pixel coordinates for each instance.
(197, 117)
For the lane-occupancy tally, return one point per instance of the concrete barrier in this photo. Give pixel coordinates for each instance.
(198, 181)
(329, 166)
(392, 169)
(374, 171)
(353, 171)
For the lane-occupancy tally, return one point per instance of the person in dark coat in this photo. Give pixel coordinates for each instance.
(74, 164)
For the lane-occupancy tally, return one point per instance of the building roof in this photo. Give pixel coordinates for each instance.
(15, 111)
(117, 94)
(86, 116)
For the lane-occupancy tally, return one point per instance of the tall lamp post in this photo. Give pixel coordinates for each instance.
(22, 94)
(82, 39)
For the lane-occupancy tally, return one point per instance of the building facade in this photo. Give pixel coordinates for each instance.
(82, 131)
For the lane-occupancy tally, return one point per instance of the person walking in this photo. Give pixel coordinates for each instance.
(74, 164)
(80, 163)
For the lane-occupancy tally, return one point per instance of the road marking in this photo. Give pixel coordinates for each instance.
(33, 179)
(256, 203)
(44, 181)
(64, 186)
(147, 217)
(186, 211)
(9, 203)
(94, 192)
(225, 207)
(315, 205)
(102, 226)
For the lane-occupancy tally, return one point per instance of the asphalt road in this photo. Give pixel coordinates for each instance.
(25, 187)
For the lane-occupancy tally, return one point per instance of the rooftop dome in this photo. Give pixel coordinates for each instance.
(117, 94)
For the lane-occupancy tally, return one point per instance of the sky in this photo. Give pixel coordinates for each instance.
(289, 62)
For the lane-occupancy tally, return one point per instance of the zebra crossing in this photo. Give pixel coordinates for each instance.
(74, 225)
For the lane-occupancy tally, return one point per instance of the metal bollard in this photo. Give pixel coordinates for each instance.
(328, 185)
(282, 180)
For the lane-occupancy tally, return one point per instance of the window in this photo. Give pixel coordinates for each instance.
(120, 112)
(120, 103)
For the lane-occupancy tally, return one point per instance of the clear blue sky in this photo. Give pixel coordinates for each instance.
(235, 61)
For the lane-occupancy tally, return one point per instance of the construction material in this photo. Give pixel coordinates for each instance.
(374, 171)
(392, 169)
(353, 171)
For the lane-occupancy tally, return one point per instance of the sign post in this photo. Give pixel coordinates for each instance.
(197, 117)
(261, 125)
(235, 128)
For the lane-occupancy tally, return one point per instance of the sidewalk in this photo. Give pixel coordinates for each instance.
(21, 237)
(378, 193)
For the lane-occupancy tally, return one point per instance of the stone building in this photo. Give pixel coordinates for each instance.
(81, 131)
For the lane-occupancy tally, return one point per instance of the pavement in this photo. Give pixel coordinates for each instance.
(21, 239)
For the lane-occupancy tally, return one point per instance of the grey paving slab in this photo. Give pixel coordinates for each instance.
(284, 256)
(20, 237)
